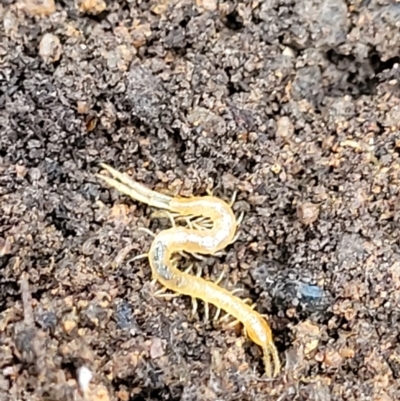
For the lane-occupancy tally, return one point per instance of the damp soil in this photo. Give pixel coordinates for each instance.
(293, 104)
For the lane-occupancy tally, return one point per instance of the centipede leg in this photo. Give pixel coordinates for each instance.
(219, 279)
(199, 271)
(233, 199)
(233, 324)
(194, 303)
(147, 231)
(203, 223)
(217, 313)
(193, 222)
(161, 293)
(206, 309)
(225, 317)
(194, 300)
(200, 223)
(204, 220)
(164, 213)
(143, 255)
(194, 254)
(186, 219)
(236, 290)
(235, 238)
(137, 257)
(221, 276)
(171, 218)
(206, 312)
(186, 255)
(201, 226)
(239, 220)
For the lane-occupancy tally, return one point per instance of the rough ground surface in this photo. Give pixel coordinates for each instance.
(294, 104)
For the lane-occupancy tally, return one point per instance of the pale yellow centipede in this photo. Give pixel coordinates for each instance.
(206, 241)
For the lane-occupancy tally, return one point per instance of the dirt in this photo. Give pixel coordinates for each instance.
(293, 104)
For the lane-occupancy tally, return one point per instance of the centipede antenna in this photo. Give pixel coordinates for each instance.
(135, 190)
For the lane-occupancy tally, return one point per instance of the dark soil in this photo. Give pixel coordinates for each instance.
(294, 104)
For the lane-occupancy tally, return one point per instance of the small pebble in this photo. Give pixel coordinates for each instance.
(307, 213)
(156, 348)
(285, 127)
(34, 174)
(50, 48)
(333, 358)
(208, 5)
(84, 376)
(93, 7)
(68, 326)
(40, 8)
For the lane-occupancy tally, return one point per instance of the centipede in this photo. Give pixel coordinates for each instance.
(212, 226)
